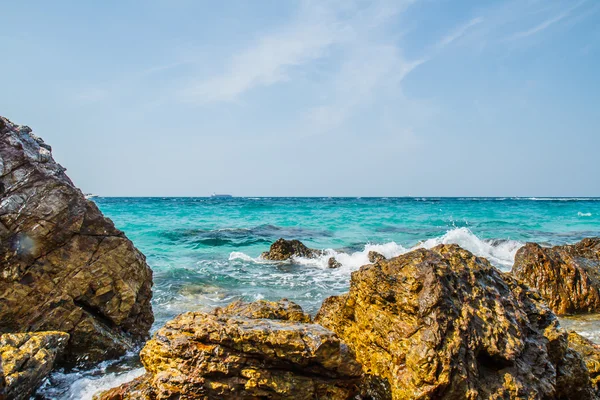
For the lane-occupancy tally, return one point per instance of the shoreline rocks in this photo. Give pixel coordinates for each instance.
(244, 351)
(26, 359)
(282, 250)
(63, 265)
(445, 324)
(567, 277)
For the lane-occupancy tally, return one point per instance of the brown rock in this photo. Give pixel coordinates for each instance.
(591, 356)
(375, 257)
(224, 356)
(283, 249)
(283, 310)
(444, 324)
(333, 263)
(63, 266)
(567, 277)
(26, 359)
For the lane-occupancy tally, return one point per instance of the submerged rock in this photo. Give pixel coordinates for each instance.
(63, 266)
(244, 351)
(333, 263)
(283, 249)
(375, 256)
(26, 359)
(567, 277)
(445, 324)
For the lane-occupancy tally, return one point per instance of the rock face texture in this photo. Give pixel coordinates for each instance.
(26, 359)
(261, 350)
(283, 249)
(591, 356)
(567, 277)
(375, 256)
(444, 324)
(63, 266)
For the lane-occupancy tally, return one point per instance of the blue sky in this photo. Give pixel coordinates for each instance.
(301, 98)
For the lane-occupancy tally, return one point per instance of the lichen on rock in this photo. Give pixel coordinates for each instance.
(445, 324)
(26, 359)
(63, 265)
(567, 277)
(244, 351)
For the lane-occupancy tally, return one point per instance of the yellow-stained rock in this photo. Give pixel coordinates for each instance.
(271, 351)
(26, 359)
(63, 266)
(445, 324)
(567, 277)
(591, 356)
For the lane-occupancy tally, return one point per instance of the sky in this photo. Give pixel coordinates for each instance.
(310, 98)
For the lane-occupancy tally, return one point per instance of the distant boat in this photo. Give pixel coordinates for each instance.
(90, 196)
(221, 196)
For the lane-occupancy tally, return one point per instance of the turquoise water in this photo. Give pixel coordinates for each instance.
(205, 252)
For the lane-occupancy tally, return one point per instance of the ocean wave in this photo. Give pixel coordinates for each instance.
(581, 214)
(500, 252)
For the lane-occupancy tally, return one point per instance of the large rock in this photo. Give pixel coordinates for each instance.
(567, 277)
(591, 356)
(283, 249)
(268, 351)
(63, 266)
(445, 324)
(26, 359)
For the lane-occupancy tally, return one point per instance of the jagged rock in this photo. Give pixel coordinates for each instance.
(444, 324)
(227, 356)
(283, 249)
(375, 257)
(567, 277)
(26, 359)
(333, 263)
(591, 356)
(63, 266)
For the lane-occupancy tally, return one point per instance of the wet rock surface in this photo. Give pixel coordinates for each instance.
(567, 277)
(63, 266)
(270, 352)
(444, 324)
(375, 256)
(26, 359)
(283, 249)
(333, 263)
(591, 356)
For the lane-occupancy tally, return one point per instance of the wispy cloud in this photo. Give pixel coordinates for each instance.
(458, 33)
(546, 24)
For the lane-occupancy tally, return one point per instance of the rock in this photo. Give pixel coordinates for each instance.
(445, 324)
(26, 359)
(227, 356)
(63, 266)
(375, 257)
(591, 356)
(567, 277)
(333, 263)
(284, 249)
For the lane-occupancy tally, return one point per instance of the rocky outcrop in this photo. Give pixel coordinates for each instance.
(333, 263)
(244, 351)
(26, 359)
(375, 257)
(283, 249)
(63, 266)
(445, 324)
(567, 277)
(591, 356)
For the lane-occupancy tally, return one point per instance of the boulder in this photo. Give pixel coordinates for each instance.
(26, 359)
(591, 356)
(375, 256)
(445, 324)
(333, 263)
(567, 277)
(245, 351)
(63, 265)
(283, 249)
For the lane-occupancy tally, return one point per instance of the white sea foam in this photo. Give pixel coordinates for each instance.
(587, 214)
(499, 253)
(86, 388)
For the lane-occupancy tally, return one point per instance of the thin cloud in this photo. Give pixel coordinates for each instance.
(458, 33)
(545, 24)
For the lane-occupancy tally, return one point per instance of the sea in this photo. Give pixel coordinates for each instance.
(205, 252)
